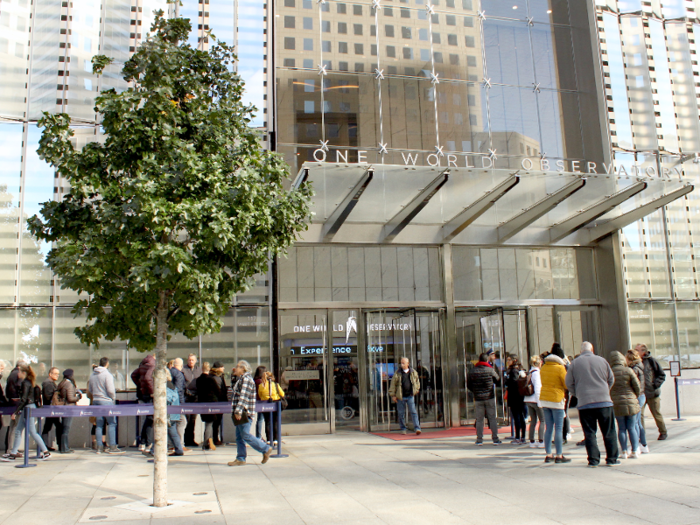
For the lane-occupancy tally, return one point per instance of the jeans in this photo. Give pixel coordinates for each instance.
(517, 412)
(174, 437)
(111, 425)
(259, 426)
(64, 445)
(590, 419)
(654, 405)
(32, 432)
(536, 413)
(208, 433)
(181, 426)
(401, 405)
(640, 427)
(554, 422)
(49, 423)
(627, 424)
(243, 437)
(486, 408)
(147, 428)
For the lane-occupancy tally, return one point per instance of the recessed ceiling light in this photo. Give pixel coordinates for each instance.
(515, 7)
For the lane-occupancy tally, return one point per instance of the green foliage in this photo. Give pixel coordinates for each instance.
(178, 208)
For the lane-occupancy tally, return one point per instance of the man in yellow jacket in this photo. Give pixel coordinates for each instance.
(405, 385)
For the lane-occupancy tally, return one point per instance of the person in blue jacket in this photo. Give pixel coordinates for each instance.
(172, 399)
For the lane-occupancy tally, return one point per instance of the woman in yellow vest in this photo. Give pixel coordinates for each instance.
(264, 389)
(552, 401)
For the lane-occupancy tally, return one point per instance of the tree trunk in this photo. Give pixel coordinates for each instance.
(160, 415)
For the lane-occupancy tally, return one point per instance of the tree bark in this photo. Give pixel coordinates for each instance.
(160, 415)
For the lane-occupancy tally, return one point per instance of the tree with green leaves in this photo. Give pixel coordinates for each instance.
(174, 213)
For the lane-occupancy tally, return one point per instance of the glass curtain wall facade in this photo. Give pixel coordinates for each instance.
(45, 52)
(650, 54)
(492, 78)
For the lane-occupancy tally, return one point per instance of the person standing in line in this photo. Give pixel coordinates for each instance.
(589, 379)
(654, 377)
(28, 399)
(3, 399)
(13, 391)
(102, 392)
(259, 378)
(403, 390)
(191, 372)
(634, 361)
(48, 387)
(172, 398)
(624, 394)
(533, 409)
(180, 385)
(221, 394)
(516, 401)
(243, 406)
(553, 402)
(481, 381)
(264, 394)
(67, 391)
(206, 393)
(145, 388)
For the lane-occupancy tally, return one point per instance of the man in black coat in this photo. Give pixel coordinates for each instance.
(13, 391)
(654, 377)
(480, 382)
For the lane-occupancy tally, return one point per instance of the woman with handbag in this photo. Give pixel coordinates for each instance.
(264, 390)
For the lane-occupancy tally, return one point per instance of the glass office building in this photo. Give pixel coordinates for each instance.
(489, 174)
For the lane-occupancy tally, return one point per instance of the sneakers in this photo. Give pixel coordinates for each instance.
(623, 455)
(212, 446)
(533, 444)
(498, 442)
(142, 447)
(593, 465)
(43, 457)
(266, 455)
(114, 450)
(9, 457)
(176, 454)
(540, 444)
(568, 436)
(613, 463)
(562, 460)
(479, 443)
(549, 459)
(99, 450)
(644, 449)
(663, 436)
(632, 455)
(404, 432)
(237, 463)
(581, 443)
(418, 432)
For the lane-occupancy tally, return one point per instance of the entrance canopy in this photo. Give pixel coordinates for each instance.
(364, 203)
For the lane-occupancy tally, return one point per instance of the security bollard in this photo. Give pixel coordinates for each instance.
(26, 464)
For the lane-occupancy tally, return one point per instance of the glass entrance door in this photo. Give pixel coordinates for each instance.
(479, 331)
(345, 369)
(390, 336)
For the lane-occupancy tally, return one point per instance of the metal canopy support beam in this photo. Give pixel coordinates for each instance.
(302, 177)
(341, 212)
(476, 209)
(600, 231)
(528, 216)
(579, 219)
(413, 208)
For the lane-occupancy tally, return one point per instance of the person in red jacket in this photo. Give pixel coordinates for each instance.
(143, 379)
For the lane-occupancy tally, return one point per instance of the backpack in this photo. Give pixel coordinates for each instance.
(525, 386)
(38, 398)
(56, 398)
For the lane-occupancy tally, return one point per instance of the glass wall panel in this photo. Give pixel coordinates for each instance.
(620, 126)
(7, 340)
(508, 53)
(553, 54)
(10, 180)
(33, 338)
(688, 334)
(505, 8)
(116, 40)
(685, 98)
(15, 18)
(35, 277)
(514, 121)
(664, 89)
(560, 124)
(48, 58)
(250, 43)
(80, 86)
(337, 273)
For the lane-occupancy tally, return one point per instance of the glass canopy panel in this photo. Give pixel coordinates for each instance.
(395, 188)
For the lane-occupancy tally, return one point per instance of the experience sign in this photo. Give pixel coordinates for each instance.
(451, 160)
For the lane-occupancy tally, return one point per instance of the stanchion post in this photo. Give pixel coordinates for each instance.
(279, 433)
(678, 405)
(26, 463)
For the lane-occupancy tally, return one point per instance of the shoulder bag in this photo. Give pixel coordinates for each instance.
(283, 401)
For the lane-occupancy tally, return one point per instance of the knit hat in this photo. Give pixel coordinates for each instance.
(557, 351)
(68, 373)
(218, 364)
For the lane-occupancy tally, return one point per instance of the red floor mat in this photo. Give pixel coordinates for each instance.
(443, 433)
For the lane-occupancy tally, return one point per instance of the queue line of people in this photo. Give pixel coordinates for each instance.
(185, 383)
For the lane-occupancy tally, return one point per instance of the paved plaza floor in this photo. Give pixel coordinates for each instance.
(357, 478)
